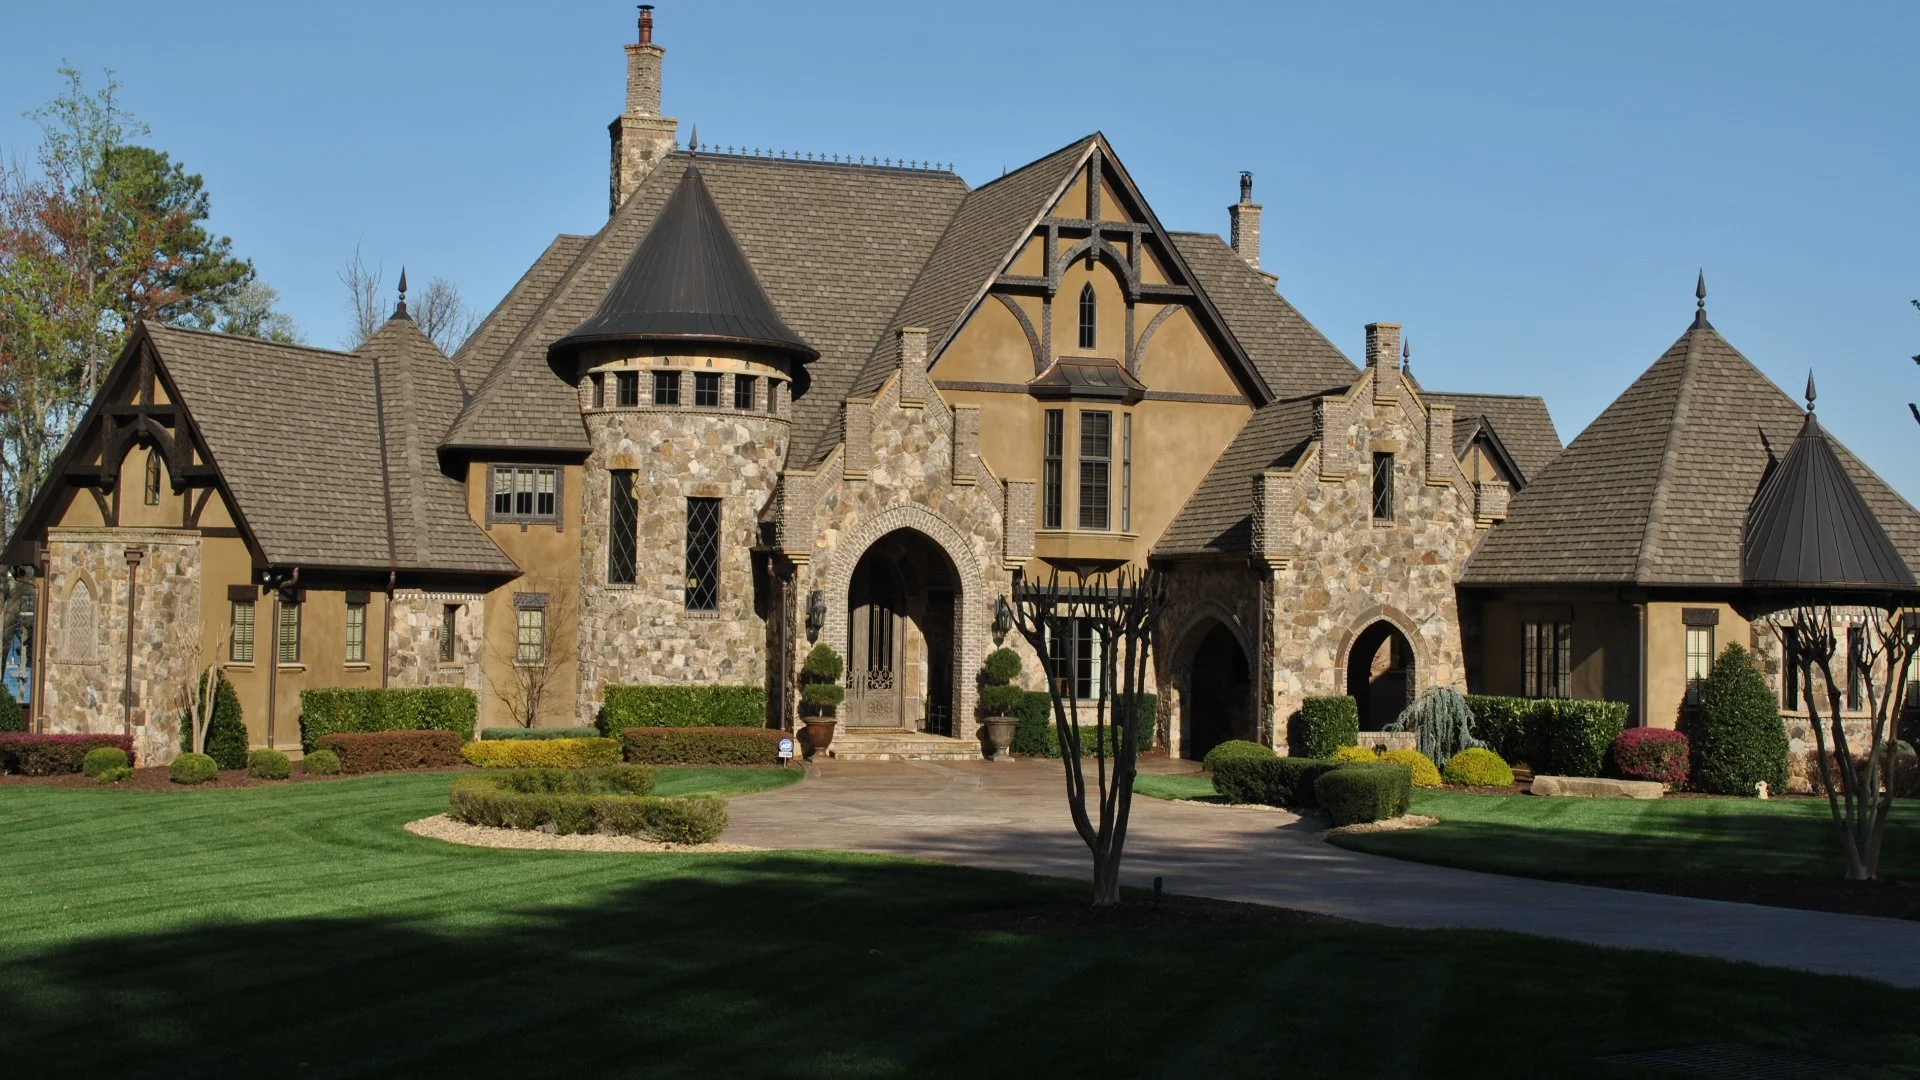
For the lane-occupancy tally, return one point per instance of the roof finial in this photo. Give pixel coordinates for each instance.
(693, 140)
(400, 309)
(1810, 394)
(1406, 354)
(1700, 299)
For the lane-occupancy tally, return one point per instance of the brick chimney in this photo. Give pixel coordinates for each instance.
(641, 136)
(1383, 359)
(1244, 234)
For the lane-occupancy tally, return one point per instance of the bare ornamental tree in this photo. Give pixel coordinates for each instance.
(439, 310)
(521, 676)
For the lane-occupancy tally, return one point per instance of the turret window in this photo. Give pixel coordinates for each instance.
(627, 387)
(706, 390)
(703, 555)
(743, 387)
(599, 391)
(524, 494)
(622, 524)
(1087, 312)
(773, 395)
(666, 388)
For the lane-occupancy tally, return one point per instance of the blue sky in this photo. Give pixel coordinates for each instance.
(1528, 188)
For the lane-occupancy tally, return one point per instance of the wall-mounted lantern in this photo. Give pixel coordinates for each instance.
(816, 614)
(1002, 620)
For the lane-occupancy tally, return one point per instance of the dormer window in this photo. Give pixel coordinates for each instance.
(1087, 311)
(524, 494)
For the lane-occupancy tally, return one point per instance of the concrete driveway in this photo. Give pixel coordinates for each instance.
(1014, 817)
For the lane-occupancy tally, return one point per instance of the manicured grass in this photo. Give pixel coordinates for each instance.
(688, 781)
(299, 930)
(1586, 838)
(1165, 786)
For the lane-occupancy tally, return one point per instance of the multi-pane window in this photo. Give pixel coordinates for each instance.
(1073, 657)
(666, 388)
(530, 628)
(599, 391)
(153, 478)
(289, 629)
(1087, 312)
(356, 633)
(1790, 659)
(1383, 487)
(1856, 667)
(703, 555)
(626, 385)
(525, 493)
(449, 632)
(240, 649)
(1096, 463)
(1546, 659)
(1053, 469)
(743, 395)
(773, 395)
(1699, 660)
(706, 389)
(1126, 472)
(622, 524)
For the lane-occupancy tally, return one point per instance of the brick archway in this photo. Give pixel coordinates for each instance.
(1216, 691)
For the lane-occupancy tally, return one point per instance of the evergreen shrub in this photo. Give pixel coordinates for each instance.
(1327, 724)
(321, 763)
(381, 751)
(1658, 754)
(1574, 734)
(1037, 735)
(227, 738)
(682, 707)
(611, 800)
(49, 755)
(1348, 755)
(1737, 737)
(1272, 781)
(193, 769)
(1359, 793)
(1477, 767)
(1501, 723)
(340, 711)
(116, 775)
(11, 718)
(1235, 748)
(1425, 773)
(102, 758)
(538, 733)
(542, 753)
(269, 765)
(702, 746)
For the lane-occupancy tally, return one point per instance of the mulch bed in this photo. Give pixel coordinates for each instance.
(1134, 913)
(1886, 899)
(154, 778)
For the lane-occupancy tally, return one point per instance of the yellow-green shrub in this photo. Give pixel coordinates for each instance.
(542, 753)
(1477, 768)
(1348, 754)
(1425, 772)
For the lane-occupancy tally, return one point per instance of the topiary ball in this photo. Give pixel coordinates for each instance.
(1002, 666)
(193, 769)
(269, 765)
(1235, 750)
(1425, 773)
(1352, 754)
(1477, 767)
(115, 775)
(321, 763)
(102, 758)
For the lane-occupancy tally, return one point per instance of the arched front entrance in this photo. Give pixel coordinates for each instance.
(901, 636)
(1380, 674)
(1216, 700)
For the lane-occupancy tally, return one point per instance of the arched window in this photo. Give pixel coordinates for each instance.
(153, 477)
(1086, 316)
(82, 624)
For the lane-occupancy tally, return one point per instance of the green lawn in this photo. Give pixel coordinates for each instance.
(298, 930)
(1172, 786)
(1584, 838)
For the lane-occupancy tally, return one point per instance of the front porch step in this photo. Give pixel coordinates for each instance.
(871, 745)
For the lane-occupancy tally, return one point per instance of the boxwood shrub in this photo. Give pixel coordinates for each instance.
(339, 710)
(1235, 748)
(1361, 792)
(542, 753)
(1477, 767)
(1034, 711)
(537, 733)
(702, 746)
(193, 769)
(269, 765)
(1425, 772)
(1327, 724)
(49, 755)
(379, 751)
(116, 775)
(1036, 734)
(610, 800)
(1557, 736)
(321, 763)
(1501, 723)
(682, 707)
(227, 738)
(1272, 780)
(102, 758)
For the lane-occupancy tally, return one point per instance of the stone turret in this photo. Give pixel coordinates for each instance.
(641, 136)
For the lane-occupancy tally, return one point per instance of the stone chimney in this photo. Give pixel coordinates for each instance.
(641, 136)
(1383, 359)
(1245, 232)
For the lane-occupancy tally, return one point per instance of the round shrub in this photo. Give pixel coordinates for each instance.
(269, 765)
(1477, 767)
(101, 759)
(321, 763)
(1425, 773)
(1002, 665)
(1358, 793)
(1238, 749)
(193, 769)
(1738, 739)
(1354, 755)
(1656, 754)
(115, 775)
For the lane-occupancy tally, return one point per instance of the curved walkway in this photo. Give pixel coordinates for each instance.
(1014, 817)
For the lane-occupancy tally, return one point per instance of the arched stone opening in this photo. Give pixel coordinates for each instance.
(1380, 674)
(902, 646)
(1216, 691)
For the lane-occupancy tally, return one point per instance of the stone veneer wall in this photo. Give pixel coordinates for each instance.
(642, 633)
(1765, 647)
(1199, 595)
(84, 677)
(413, 647)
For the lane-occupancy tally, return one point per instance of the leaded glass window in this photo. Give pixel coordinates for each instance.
(449, 632)
(622, 528)
(1087, 312)
(1546, 659)
(703, 555)
(1383, 487)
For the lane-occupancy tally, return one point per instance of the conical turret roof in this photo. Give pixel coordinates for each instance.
(1809, 527)
(688, 281)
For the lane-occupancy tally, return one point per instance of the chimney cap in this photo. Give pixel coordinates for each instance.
(1246, 186)
(646, 24)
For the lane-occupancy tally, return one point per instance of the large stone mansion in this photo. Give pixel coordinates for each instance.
(773, 401)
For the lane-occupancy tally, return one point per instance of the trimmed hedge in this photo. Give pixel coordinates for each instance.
(584, 801)
(1657, 754)
(1358, 793)
(380, 751)
(1737, 737)
(1425, 772)
(702, 746)
(1036, 735)
(269, 765)
(321, 763)
(501, 734)
(227, 738)
(682, 707)
(1034, 711)
(542, 753)
(340, 710)
(1274, 781)
(11, 718)
(1557, 736)
(193, 769)
(1236, 748)
(101, 758)
(50, 755)
(1477, 767)
(1501, 723)
(1354, 755)
(1327, 724)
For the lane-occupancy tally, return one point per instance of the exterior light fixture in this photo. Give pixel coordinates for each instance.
(1002, 620)
(816, 614)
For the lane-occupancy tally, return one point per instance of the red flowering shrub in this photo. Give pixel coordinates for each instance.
(379, 751)
(1645, 753)
(46, 755)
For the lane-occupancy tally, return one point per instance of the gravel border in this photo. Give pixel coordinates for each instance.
(442, 827)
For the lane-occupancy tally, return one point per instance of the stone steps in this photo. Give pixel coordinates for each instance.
(901, 746)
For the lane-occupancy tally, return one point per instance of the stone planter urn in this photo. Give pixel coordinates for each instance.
(819, 733)
(999, 735)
